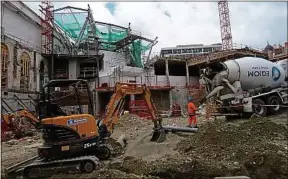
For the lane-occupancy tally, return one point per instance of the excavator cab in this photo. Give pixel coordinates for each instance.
(67, 118)
(52, 100)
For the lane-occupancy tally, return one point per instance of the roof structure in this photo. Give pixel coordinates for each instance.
(81, 30)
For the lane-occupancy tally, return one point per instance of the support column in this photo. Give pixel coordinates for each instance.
(187, 75)
(73, 69)
(97, 102)
(132, 98)
(167, 72)
(170, 101)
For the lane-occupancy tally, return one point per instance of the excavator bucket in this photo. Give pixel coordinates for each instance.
(158, 136)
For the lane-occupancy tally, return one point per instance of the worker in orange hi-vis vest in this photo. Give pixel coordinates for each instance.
(192, 112)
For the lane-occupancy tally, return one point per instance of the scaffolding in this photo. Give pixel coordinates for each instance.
(47, 27)
(78, 32)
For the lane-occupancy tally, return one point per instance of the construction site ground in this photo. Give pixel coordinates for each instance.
(256, 148)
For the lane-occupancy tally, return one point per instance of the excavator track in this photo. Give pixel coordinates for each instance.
(42, 169)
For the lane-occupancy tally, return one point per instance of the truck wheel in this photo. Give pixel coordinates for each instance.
(274, 100)
(259, 107)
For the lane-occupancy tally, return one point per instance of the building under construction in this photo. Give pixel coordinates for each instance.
(68, 43)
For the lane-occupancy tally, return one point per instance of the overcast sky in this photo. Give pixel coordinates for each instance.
(252, 23)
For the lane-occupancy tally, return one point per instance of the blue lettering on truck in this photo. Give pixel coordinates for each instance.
(258, 73)
(275, 73)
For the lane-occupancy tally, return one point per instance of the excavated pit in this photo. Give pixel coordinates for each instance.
(256, 148)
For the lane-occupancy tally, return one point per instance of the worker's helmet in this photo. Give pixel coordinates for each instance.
(190, 98)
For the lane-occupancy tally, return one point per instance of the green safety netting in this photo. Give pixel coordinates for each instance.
(137, 48)
(72, 23)
(109, 35)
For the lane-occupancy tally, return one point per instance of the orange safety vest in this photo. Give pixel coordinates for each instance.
(191, 108)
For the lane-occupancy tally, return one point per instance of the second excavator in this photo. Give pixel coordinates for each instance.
(75, 143)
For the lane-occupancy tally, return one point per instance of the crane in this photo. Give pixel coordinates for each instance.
(225, 26)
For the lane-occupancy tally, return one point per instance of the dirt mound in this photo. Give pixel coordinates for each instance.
(256, 148)
(130, 120)
(131, 126)
(115, 147)
(105, 174)
(253, 148)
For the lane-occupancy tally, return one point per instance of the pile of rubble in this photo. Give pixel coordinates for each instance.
(131, 126)
(18, 150)
(256, 148)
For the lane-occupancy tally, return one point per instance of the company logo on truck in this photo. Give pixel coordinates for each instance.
(275, 73)
(258, 71)
(264, 71)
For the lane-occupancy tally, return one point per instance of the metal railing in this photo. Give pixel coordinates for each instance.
(61, 73)
(86, 72)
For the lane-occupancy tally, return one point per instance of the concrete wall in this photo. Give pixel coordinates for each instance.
(111, 59)
(20, 26)
(156, 80)
(73, 68)
(14, 81)
(180, 96)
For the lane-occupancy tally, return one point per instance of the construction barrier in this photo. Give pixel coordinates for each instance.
(176, 110)
(140, 108)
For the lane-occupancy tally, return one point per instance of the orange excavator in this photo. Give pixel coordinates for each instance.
(75, 143)
(116, 104)
(19, 120)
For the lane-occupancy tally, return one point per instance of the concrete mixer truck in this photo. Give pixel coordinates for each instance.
(245, 86)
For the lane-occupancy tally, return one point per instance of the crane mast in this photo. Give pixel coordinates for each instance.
(225, 26)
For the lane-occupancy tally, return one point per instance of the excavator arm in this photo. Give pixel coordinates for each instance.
(116, 104)
(22, 113)
(15, 123)
(7, 118)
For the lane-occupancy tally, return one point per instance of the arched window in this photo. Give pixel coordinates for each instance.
(25, 67)
(4, 67)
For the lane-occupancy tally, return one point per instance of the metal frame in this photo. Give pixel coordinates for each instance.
(225, 26)
(47, 89)
(74, 47)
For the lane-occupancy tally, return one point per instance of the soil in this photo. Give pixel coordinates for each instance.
(256, 148)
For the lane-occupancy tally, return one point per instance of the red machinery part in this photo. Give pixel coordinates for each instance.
(6, 132)
(139, 108)
(176, 110)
